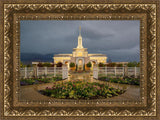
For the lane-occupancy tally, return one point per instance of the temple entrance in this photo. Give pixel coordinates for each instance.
(79, 64)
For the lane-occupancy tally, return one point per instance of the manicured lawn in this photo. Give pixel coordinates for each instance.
(81, 90)
(122, 80)
(31, 81)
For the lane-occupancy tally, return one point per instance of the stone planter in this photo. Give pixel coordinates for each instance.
(72, 68)
(88, 68)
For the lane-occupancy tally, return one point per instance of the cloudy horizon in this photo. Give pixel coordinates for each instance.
(118, 39)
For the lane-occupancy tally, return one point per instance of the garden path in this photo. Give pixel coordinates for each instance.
(30, 92)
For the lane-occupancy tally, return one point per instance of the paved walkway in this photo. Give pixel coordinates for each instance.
(30, 92)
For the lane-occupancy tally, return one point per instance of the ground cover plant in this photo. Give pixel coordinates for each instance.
(81, 90)
(31, 81)
(131, 80)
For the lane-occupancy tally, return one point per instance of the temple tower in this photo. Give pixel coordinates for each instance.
(80, 39)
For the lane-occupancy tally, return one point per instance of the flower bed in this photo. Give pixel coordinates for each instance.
(81, 90)
(123, 80)
(31, 81)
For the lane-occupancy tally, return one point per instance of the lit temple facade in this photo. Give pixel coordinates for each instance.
(80, 56)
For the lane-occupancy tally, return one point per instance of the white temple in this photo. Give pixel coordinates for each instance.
(80, 56)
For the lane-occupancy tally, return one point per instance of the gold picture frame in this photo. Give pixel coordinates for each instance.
(148, 12)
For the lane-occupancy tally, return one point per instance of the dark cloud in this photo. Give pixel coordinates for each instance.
(111, 37)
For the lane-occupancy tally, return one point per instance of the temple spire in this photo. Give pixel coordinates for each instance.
(80, 39)
(79, 30)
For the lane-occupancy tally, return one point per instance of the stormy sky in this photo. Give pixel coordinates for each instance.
(119, 40)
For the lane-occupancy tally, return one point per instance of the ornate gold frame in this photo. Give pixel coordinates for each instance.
(14, 11)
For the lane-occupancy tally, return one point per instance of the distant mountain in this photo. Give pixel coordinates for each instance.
(28, 58)
(123, 58)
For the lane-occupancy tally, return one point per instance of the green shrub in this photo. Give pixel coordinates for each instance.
(22, 65)
(47, 64)
(124, 80)
(59, 64)
(133, 64)
(89, 64)
(72, 64)
(119, 65)
(111, 64)
(32, 81)
(40, 64)
(101, 65)
(29, 65)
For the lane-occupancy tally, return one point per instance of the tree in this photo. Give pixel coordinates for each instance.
(40, 64)
(22, 65)
(119, 65)
(28, 65)
(47, 64)
(138, 64)
(59, 64)
(72, 64)
(101, 65)
(89, 64)
(111, 64)
(132, 64)
(52, 65)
